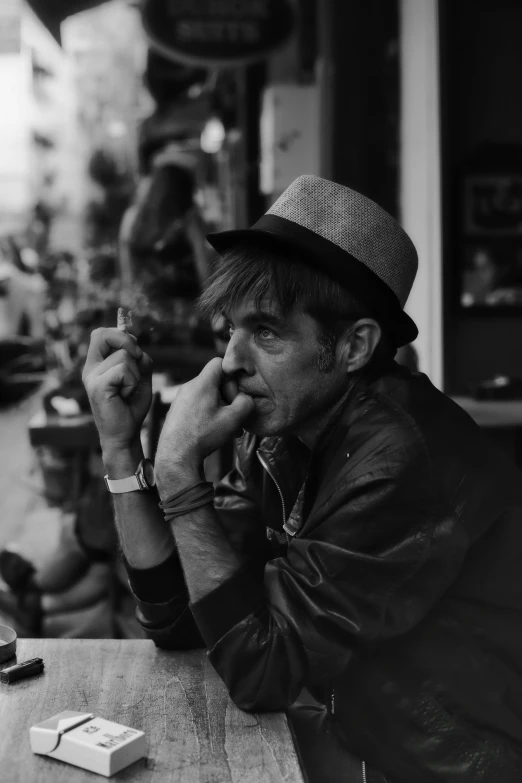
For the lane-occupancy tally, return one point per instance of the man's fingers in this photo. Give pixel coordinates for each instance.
(120, 379)
(118, 357)
(229, 391)
(213, 373)
(145, 364)
(104, 342)
(239, 409)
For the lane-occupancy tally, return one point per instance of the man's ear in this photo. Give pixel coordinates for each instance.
(357, 344)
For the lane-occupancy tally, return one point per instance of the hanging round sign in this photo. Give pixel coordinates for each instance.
(217, 32)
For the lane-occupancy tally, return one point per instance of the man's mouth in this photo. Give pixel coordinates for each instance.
(251, 393)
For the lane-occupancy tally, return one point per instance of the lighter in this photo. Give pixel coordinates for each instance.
(21, 670)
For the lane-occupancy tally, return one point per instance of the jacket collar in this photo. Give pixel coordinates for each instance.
(290, 461)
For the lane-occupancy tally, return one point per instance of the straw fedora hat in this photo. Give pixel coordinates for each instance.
(348, 237)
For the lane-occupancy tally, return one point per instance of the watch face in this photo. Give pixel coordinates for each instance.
(148, 472)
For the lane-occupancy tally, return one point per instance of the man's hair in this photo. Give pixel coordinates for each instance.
(254, 271)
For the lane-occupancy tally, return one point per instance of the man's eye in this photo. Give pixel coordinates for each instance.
(265, 333)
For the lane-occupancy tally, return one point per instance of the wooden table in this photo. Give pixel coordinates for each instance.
(195, 733)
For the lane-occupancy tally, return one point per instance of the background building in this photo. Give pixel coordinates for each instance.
(37, 137)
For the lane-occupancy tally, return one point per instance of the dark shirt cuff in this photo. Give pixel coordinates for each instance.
(219, 611)
(157, 584)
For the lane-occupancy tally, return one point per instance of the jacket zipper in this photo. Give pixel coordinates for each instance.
(332, 712)
(332, 695)
(265, 466)
(263, 463)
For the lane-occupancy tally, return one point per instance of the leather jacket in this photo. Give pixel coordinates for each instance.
(383, 573)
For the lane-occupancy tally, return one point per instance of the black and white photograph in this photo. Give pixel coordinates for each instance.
(261, 391)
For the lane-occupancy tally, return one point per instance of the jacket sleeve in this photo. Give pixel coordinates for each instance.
(162, 605)
(376, 551)
(161, 595)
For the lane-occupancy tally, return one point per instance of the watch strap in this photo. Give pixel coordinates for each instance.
(119, 486)
(133, 483)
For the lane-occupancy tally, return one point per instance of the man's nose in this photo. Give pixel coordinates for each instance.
(237, 357)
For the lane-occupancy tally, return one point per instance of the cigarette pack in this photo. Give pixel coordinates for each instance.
(95, 744)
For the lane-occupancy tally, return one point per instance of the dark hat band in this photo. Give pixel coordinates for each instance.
(330, 259)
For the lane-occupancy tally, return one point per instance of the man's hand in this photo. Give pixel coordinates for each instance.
(205, 414)
(117, 377)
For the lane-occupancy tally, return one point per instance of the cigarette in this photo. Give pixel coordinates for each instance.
(123, 320)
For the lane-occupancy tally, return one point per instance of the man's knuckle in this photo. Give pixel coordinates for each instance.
(89, 387)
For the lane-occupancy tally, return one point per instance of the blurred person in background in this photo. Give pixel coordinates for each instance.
(163, 257)
(70, 591)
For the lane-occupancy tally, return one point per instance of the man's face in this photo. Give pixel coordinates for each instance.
(277, 361)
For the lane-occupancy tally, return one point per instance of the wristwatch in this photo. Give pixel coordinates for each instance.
(143, 479)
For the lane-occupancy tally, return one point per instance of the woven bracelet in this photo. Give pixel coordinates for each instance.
(202, 490)
(185, 509)
(190, 499)
(200, 486)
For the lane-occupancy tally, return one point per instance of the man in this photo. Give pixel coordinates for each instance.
(366, 546)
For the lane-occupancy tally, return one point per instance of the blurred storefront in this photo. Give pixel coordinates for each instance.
(411, 101)
(424, 116)
(481, 79)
